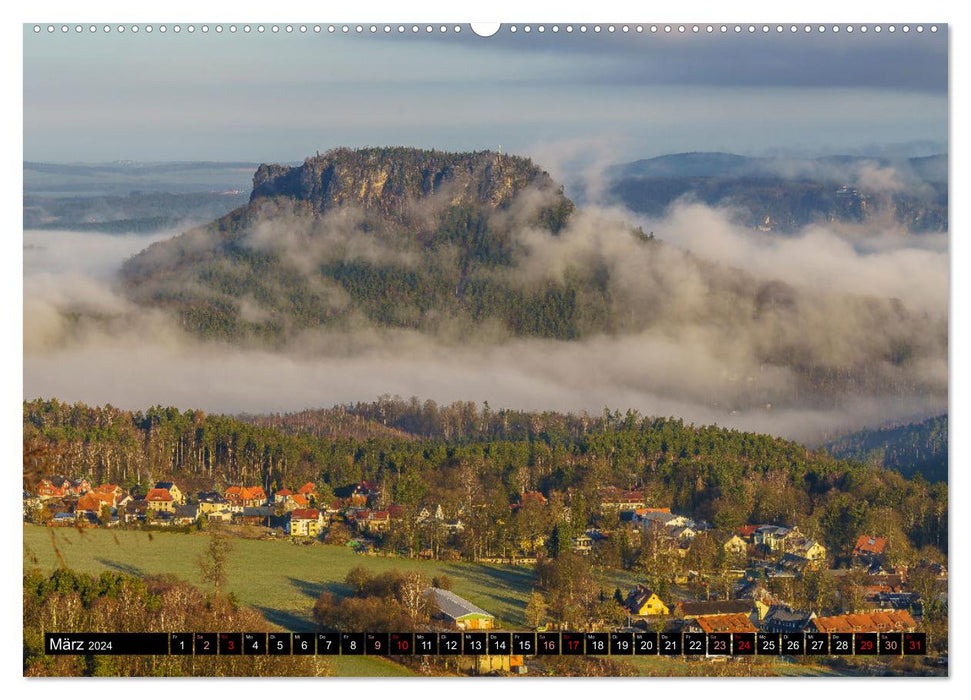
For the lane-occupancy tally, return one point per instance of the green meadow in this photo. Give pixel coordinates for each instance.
(280, 578)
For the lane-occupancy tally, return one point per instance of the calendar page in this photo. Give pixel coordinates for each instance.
(532, 349)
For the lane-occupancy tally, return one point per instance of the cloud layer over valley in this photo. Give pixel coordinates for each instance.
(803, 336)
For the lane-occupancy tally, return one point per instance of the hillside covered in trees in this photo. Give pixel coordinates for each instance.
(915, 448)
(464, 456)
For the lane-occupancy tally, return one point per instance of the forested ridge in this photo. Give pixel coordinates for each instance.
(915, 448)
(465, 455)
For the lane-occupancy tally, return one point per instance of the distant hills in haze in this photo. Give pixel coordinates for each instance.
(784, 195)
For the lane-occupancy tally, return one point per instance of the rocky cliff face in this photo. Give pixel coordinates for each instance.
(391, 181)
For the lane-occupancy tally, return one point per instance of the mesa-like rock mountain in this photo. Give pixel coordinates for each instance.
(480, 248)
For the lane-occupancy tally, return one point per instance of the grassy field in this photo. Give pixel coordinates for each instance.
(280, 578)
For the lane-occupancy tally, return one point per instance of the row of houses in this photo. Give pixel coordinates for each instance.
(646, 609)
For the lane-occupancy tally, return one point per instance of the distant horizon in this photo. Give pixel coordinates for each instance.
(928, 152)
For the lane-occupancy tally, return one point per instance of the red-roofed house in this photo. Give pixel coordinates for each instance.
(747, 532)
(733, 622)
(160, 500)
(869, 546)
(90, 504)
(893, 621)
(308, 489)
(47, 489)
(245, 496)
(112, 490)
(869, 550)
(304, 522)
(615, 499)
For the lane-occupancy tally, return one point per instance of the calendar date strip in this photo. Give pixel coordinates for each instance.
(494, 643)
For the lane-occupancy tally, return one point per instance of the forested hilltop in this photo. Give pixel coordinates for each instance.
(473, 457)
(916, 448)
(398, 236)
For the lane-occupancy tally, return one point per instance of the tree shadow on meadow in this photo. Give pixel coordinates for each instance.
(287, 619)
(313, 589)
(121, 567)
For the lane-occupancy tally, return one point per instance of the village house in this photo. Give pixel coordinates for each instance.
(737, 623)
(693, 609)
(245, 496)
(304, 522)
(185, 514)
(773, 538)
(869, 551)
(747, 533)
(893, 621)
(308, 490)
(112, 490)
(258, 516)
(582, 544)
(808, 549)
(456, 611)
(282, 496)
(173, 490)
(642, 602)
(333, 509)
(781, 618)
(613, 499)
(735, 546)
(136, 511)
(58, 487)
(90, 504)
(160, 500)
(213, 506)
(47, 489)
(63, 519)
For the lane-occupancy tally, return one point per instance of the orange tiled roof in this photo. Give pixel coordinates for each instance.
(870, 545)
(300, 499)
(305, 514)
(733, 622)
(892, 621)
(93, 501)
(284, 492)
(307, 489)
(158, 495)
(245, 493)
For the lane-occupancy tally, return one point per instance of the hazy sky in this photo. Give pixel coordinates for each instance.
(97, 97)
